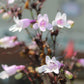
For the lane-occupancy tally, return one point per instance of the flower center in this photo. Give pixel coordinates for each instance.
(43, 23)
(60, 22)
(52, 66)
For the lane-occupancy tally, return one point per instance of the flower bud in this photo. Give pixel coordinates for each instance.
(71, 23)
(1, 11)
(81, 62)
(68, 74)
(5, 16)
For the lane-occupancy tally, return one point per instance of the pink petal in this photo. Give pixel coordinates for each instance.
(49, 27)
(35, 26)
(26, 22)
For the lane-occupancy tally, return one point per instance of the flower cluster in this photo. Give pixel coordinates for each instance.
(43, 63)
(42, 23)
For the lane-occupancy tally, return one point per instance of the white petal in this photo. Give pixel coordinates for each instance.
(64, 17)
(12, 27)
(39, 16)
(56, 71)
(60, 26)
(48, 59)
(20, 29)
(35, 26)
(68, 26)
(46, 17)
(54, 23)
(48, 71)
(58, 16)
(15, 28)
(41, 69)
(43, 29)
(4, 75)
(16, 20)
(10, 1)
(4, 66)
(53, 59)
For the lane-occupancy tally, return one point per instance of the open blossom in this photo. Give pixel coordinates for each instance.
(11, 1)
(1, 11)
(69, 51)
(81, 62)
(5, 16)
(52, 65)
(61, 21)
(10, 70)
(20, 24)
(43, 23)
(8, 42)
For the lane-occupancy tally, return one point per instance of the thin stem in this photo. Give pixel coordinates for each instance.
(47, 35)
(71, 82)
(28, 33)
(31, 13)
(54, 45)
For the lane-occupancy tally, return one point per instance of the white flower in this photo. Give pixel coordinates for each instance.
(61, 21)
(20, 24)
(5, 16)
(52, 65)
(43, 23)
(9, 42)
(11, 1)
(10, 70)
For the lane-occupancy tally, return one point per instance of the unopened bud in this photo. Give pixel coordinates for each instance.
(68, 75)
(5, 16)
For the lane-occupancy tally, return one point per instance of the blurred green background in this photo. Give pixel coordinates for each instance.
(75, 12)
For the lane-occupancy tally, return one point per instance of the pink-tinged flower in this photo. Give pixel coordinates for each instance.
(10, 70)
(61, 21)
(68, 74)
(81, 62)
(52, 65)
(20, 24)
(33, 45)
(11, 1)
(8, 42)
(5, 16)
(43, 23)
(1, 11)
(69, 51)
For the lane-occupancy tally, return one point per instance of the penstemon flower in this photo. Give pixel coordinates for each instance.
(43, 23)
(81, 62)
(5, 16)
(11, 1)
(8, 42)
(20, 24)
(61, 21)
(52, 65)
(10, 70)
